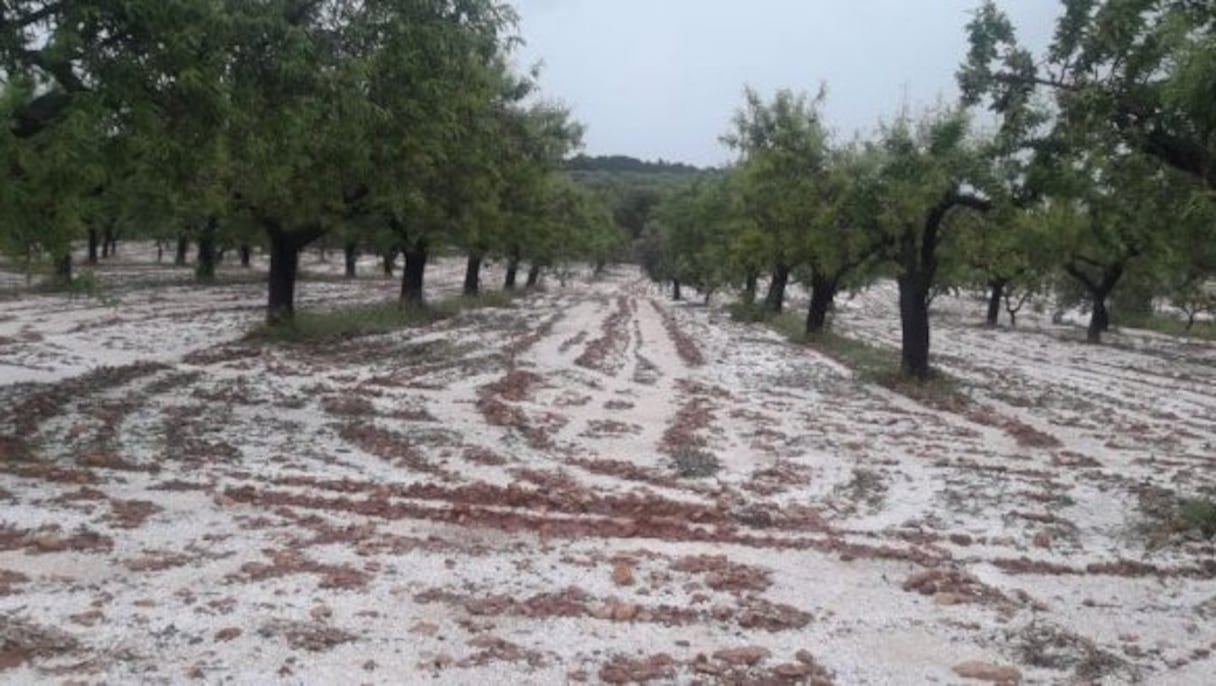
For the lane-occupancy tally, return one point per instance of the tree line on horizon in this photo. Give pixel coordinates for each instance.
(1098, 184)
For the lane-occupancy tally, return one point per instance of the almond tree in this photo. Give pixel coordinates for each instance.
(1142, 69)
(86, 89)
(846, 238)
(783, 161)
(1115, 210)
(931, 169)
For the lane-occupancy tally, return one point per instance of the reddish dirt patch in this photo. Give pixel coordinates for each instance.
(723, 575)
(693, 417)
(779, 478)
(952, 587)
(289, 562)
(496, 649)
(626, 470)
(24, 418)
(9, 580)
(626, 670)
(314, 637)
(157, 561)
(617, 516)
(131, 514)
(389, 446)
(686, 347)
(50, 540)
(484, 456)
(1025, 435)
(177, 485)
(750, 613)
(741, 665)
(758, 613)
(220, 354)
(515, 386)
(612, 341)
(493, 401)
(349, 405)
(102, 456)
(13, 449)
(22, 641)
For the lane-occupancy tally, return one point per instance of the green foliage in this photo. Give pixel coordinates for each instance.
(621, 164)
(1140, 72)
(691, 462)
(1198, 515)
(783, 171)
(1170, 325)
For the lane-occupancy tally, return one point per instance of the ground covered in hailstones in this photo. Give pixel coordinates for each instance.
(592, 484)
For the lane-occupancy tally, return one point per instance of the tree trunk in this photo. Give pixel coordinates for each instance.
(63, 268)
(351, 253)
(1190, 320)
(1099, 291)
(284, 266)
(183, 247)
(246, 256)
(775, 300)
(823, 294)
(675, 290)
(472, 275)
(109, 243)
(160, 251)
(1099, 318)
(512, 269)
(749, 288)
(389, 260)
(205, 269)
(533, 276)
(997, 292)
(914, 320)
(412, 277)
(93, 240)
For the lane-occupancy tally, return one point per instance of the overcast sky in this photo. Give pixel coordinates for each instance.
(661, 78)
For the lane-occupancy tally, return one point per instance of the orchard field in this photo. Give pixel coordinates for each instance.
(337, 347)
(591, 483)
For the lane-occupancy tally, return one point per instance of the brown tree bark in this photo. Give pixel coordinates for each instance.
(472, 275)
(415, 270)
(774, 301)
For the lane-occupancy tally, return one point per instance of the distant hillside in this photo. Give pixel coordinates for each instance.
(625, 164)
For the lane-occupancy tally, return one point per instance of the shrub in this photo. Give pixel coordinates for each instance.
(694, 463)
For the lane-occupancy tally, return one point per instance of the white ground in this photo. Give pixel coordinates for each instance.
(495, 499)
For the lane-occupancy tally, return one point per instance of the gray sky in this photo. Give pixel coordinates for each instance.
(661, 78)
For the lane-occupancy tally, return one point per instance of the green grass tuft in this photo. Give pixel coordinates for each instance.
(370, 320)
(1195, 514)
(1171, 326)
(870, 363)
(750, 312)
(691, 462)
